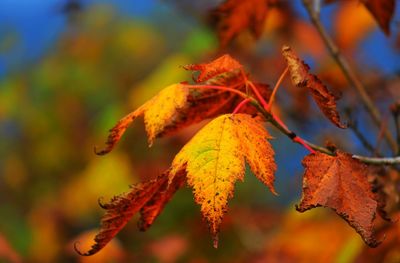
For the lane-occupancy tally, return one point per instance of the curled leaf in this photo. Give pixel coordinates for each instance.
(341, 183)
(214, 159)
(300, 76)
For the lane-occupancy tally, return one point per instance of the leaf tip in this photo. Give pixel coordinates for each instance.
(77, 250)
(100, 202)
(285, 48)
(101, 152)
(215, 241)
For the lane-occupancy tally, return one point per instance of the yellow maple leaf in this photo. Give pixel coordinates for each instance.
(158, 112)
(214, 159)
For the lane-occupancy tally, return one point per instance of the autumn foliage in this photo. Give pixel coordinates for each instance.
(237, 108)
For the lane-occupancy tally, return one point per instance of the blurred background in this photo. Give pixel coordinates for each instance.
(70, 69)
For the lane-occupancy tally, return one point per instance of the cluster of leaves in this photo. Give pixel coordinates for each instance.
(214, 159)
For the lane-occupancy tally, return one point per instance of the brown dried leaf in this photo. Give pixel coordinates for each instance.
(300, 76)
(152, 209)
(340, 182)
(234, 16)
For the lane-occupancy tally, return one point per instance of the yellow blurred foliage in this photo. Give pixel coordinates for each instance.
(104, 177)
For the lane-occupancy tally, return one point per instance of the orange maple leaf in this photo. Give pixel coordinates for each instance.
(178, 106)
(340, 182)
(214, 159)
(324, 98)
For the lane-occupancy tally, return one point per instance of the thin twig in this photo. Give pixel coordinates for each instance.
(378, 160)
(395, 109)
(240, 105)
(278, 83)
(293, 136)
(238, 92)
(348, 72)
(352, 124)
(257, 93)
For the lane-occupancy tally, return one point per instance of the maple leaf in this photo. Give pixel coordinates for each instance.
(234, 16)
(223, 64)
(214, 159)
(149, 198)
(300, 76)
(341, 183)
(177, 106)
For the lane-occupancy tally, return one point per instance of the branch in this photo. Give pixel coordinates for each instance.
(285, 130)
(353, 125)
(348, 72)
(378, 160)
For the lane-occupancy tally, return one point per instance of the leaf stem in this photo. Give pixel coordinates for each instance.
(255, 90)
(240, 105)
(278, 83)
(348, 72)
(243, 95)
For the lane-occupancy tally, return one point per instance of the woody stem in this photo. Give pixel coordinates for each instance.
(348, 72)
(274, 120)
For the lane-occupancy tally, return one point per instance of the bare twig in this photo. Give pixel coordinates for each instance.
(378, 160)
(285, 130)
(352, 124)
(395, 109)
(348, 72)
(275, 121)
